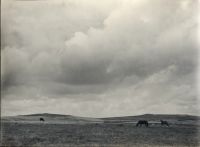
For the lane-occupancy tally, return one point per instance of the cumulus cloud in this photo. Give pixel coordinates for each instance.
(95, 58)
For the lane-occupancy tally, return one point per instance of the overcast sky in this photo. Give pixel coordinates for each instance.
(99, 58)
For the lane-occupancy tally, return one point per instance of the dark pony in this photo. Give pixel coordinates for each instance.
(41, 119)
(164, 123)
(142, 122)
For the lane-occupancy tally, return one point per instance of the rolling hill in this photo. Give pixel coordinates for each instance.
(69, 119)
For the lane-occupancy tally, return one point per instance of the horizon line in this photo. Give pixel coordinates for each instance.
(198, 115)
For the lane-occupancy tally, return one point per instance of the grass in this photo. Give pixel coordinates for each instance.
(95, 135)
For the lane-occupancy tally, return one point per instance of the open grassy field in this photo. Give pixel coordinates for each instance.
(98, 134)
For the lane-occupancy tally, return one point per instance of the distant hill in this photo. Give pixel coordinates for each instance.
(69, 119)
(51, 118)
(47, 115)
(154, 117)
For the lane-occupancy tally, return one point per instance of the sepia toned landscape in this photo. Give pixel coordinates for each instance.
(100, 73)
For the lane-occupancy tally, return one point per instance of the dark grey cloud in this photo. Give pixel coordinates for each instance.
(99, 58)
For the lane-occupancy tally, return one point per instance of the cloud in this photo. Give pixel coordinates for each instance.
(99, 58)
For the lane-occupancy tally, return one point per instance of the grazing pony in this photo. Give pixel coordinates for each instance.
(41, 119)
(164, 123)
(141, 122)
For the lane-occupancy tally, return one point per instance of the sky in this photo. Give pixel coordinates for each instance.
(99, 58)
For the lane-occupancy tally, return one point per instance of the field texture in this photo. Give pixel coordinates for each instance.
(41, 134)
(72, 131)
